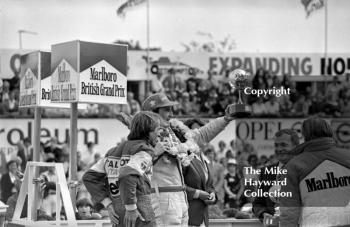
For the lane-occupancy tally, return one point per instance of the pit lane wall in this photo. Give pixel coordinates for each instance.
(106, 133)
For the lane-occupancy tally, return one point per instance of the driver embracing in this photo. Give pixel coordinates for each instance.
(121, 180)
(169, 199)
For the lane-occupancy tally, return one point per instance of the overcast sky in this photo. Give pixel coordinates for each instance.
(256, 25)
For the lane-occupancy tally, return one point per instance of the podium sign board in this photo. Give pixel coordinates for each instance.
(29, 80)
(89, 72)
(35, 81)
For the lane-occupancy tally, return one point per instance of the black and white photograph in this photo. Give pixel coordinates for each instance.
(161, 113)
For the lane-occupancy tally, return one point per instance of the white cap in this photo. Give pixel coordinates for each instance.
(232, 161)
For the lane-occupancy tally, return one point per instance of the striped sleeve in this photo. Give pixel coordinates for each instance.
(139, 164)
(95, 182)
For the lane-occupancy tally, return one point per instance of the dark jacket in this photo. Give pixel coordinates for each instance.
(6, 187)
(125, 163)
(318, 179)
(264, 204)
(194, 176)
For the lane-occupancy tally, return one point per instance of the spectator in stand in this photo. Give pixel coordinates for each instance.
(276, 81)
(272, 107)
(213, 83)
(217, 170)
(332, 107)
(178, 110)
(92, 110)
(87, 157)
(104, 110)
(203, 87)
(5, 91)
(259, 108)
(220, 106)
(233, 185)
(301, 107)
(285, 105)
(317, 104)
(294, 93)
(232, 150)
(247, 150)
(346, 83)
(118, 108)
(1, 88)
(52, 148)
(134, 105)
(262, 161)
(333, 89)
(345, 109)
(7, 186)
(225, 91)
(222, 150)
(11, 104)
(269, 80)
(286, 81)
(180, 85)
(156, 84)
(186, 105)
(259, 80)
(192, 90)
(207, 107)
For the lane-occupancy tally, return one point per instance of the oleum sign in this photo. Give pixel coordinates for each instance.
(97, 131)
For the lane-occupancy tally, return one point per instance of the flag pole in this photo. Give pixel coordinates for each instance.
(326, 36)
(148, 45)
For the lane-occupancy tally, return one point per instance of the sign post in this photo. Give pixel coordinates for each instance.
(85, 72)
(35, 74)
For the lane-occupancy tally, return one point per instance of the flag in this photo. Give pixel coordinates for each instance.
(312, 5)
(121, 11)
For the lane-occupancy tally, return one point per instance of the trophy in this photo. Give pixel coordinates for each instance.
(238, 81)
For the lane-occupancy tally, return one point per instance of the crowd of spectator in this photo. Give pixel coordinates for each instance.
(209, 97)
(226, 165)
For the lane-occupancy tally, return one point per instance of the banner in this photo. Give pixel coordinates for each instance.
(313, 64)
(199, 64)
(10, 62)
(106, 133)
(89, 72)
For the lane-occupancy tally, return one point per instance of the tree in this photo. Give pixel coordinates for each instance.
(209, 44)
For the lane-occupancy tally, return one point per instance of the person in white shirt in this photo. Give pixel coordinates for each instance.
(272, 107)
(259, 108)
(87, 157)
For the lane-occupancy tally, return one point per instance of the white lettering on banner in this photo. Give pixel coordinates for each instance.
(106, 133)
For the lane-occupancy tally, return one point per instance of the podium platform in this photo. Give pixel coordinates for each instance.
(229, 222)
